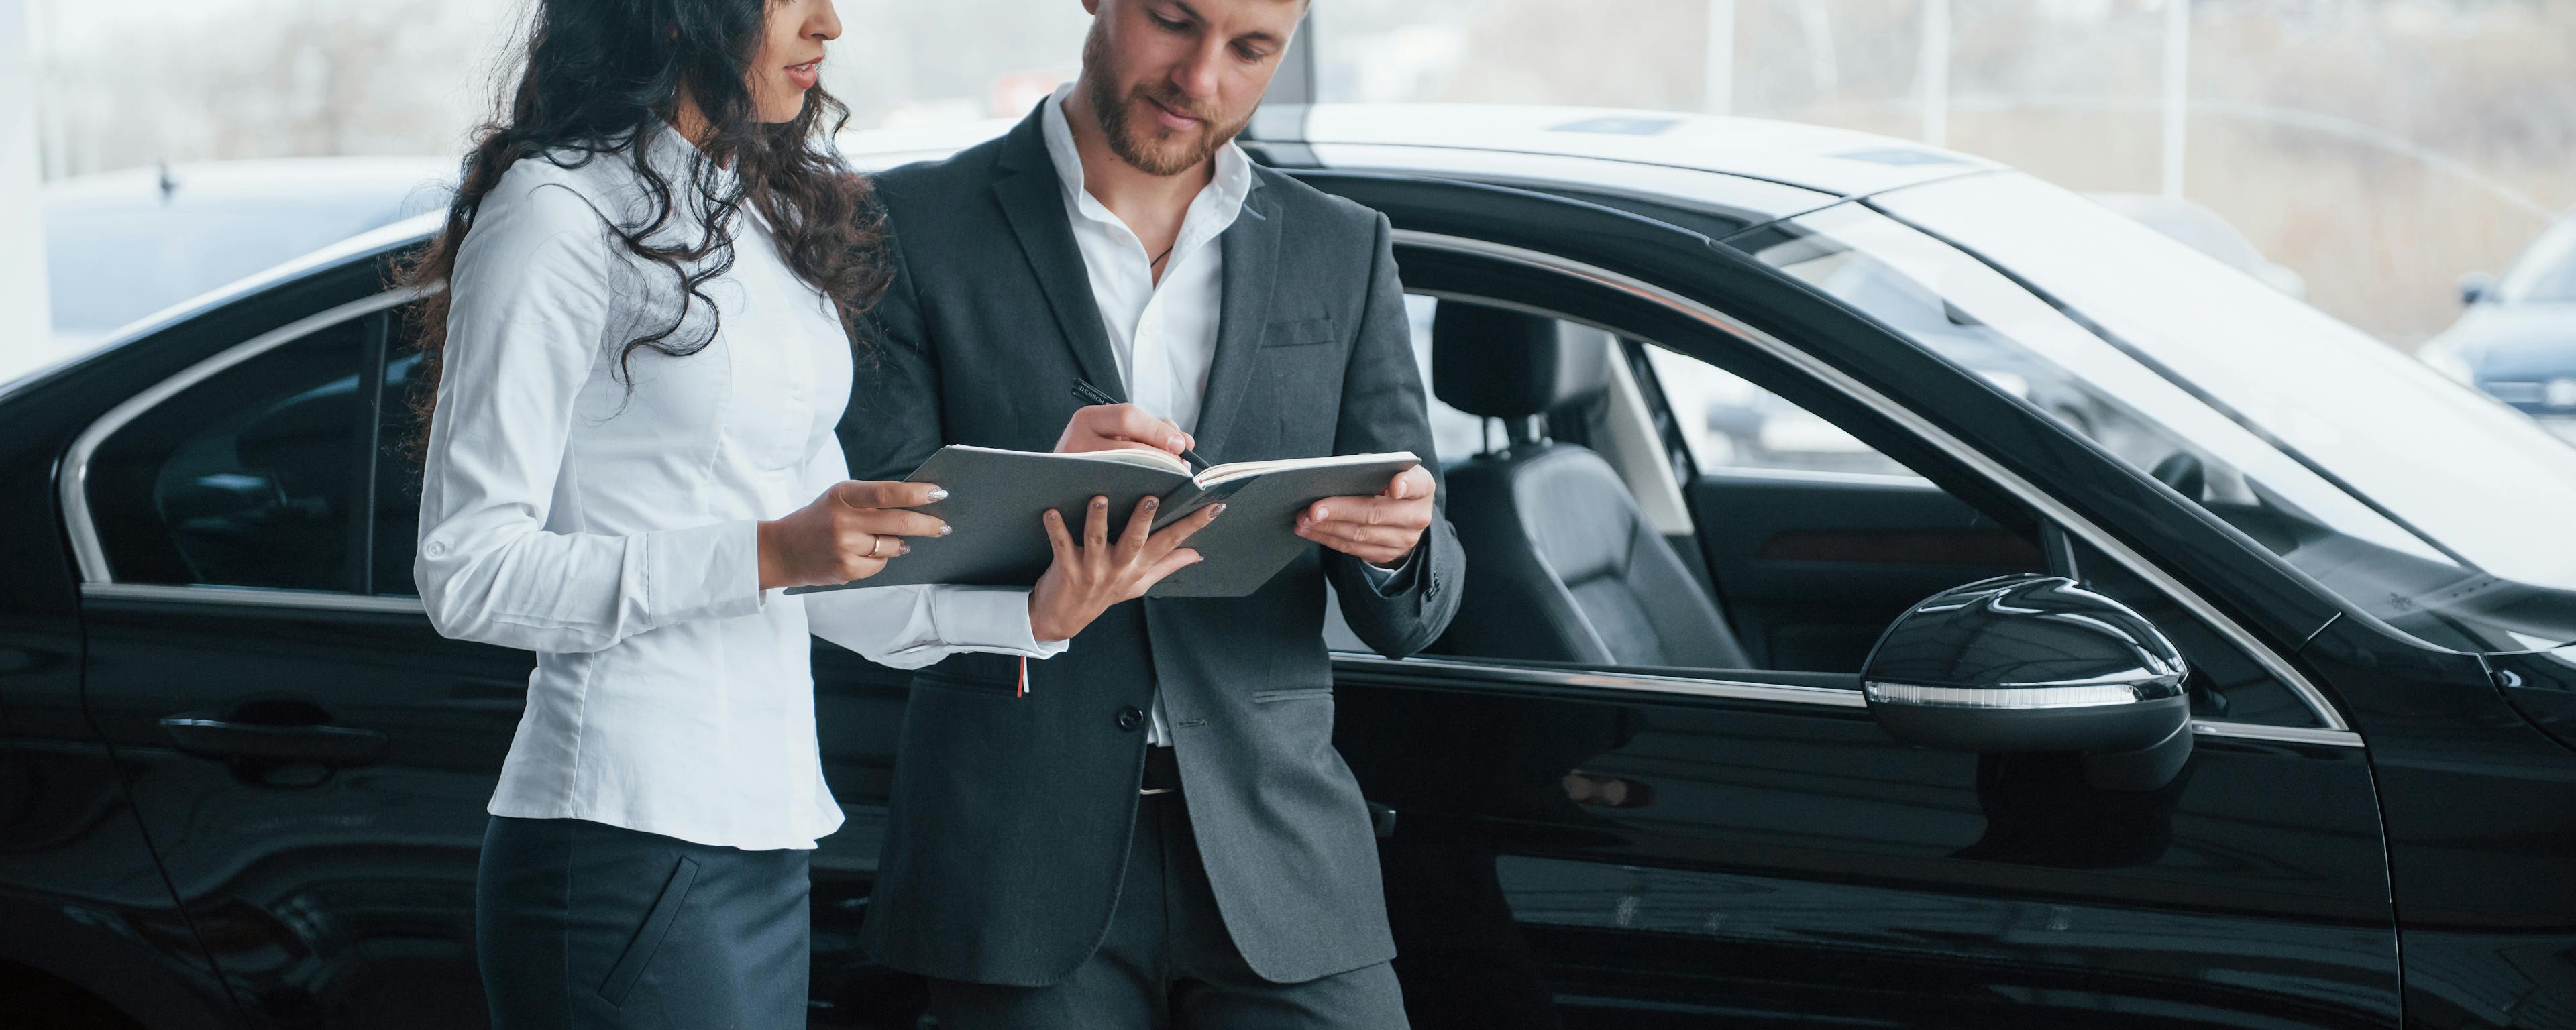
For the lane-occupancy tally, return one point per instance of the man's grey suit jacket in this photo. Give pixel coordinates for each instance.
(1011, 815)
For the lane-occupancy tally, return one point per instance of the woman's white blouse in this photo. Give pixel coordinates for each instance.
(613, 532)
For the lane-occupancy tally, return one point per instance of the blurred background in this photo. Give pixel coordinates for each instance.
(2367, 154)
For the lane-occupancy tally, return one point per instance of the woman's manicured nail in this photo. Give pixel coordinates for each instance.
(1175, 444)
(1152, 503)
(903, 549)
(938, 494)
(1323, 513)
(945, 529)
(1100, 502)
(1220, 510)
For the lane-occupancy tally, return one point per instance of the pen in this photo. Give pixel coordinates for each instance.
(1088, 394)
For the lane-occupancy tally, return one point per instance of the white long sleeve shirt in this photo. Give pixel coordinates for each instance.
(612, 532)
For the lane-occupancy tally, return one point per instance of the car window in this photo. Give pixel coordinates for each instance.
(1729, 423)
(1749, 429)
(250, 477)
(1807, 541)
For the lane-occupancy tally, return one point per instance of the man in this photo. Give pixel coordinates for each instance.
(1159, 829)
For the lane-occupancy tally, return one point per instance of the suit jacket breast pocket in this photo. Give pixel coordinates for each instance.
(1298, 332)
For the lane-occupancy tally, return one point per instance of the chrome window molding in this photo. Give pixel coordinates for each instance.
(86, 550)
(253, 597)
(1739, 690)
(2014, 698)
(1742, 690)
(1904, 418)
(2277, 734)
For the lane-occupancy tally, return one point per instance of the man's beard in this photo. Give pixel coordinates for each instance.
(1149, 147)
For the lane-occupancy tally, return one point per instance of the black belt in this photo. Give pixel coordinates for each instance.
(1162, 772)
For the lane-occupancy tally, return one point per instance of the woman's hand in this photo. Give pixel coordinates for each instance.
(848, 533)
(1089, 577)
(1105, 427)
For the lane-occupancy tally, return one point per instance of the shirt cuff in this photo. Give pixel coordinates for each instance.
(1380, 576)
(993, 620)
(703, 572)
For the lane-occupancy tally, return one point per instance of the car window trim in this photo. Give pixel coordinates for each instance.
(378, 349)
(1904, 419)
(87, 552)
(1420, 667)
(258, 597)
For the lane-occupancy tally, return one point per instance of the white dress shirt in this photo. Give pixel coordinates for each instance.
(1163, 333)
(612, 532)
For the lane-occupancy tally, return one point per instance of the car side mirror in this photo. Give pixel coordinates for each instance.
(2035, 663)
(2475, 287)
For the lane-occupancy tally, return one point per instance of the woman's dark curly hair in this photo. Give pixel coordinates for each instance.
(601, 73)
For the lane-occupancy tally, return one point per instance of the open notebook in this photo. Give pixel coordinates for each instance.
(995, 498)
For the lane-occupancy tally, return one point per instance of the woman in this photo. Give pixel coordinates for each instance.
(652, 268)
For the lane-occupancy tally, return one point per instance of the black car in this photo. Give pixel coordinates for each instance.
(2235, 703)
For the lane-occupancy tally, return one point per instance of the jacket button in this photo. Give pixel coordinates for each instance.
(1130, 718)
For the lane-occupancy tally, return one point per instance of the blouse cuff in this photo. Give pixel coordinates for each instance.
(703, 572)
(993, 620)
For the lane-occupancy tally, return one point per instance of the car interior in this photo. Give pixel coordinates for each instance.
(1598, 537)
(1567, 567)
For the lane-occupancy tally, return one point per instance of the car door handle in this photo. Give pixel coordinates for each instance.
(204, 734)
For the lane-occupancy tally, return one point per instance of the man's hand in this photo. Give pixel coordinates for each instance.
(1380, 530)
(1105, 427)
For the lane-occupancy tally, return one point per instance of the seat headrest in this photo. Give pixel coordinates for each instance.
(1498, 363)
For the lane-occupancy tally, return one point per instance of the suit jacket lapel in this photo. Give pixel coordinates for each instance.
(1251, 249)
(1032, 198)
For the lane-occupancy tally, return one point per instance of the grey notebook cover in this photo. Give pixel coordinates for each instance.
(995, 499)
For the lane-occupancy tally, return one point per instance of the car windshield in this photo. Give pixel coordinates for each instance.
(2547, 272)
(2355, 464)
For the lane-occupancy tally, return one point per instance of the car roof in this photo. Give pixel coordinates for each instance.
(1840, 162)
(1753, 168)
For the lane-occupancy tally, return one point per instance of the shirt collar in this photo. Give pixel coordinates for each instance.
(671, 154)
(1232, 183)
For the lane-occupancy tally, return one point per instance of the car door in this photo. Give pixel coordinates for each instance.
(1612, 846)
(308, 759)
(90, 936)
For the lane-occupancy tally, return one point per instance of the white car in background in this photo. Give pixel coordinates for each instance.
(2203, 230)
(122, 245)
